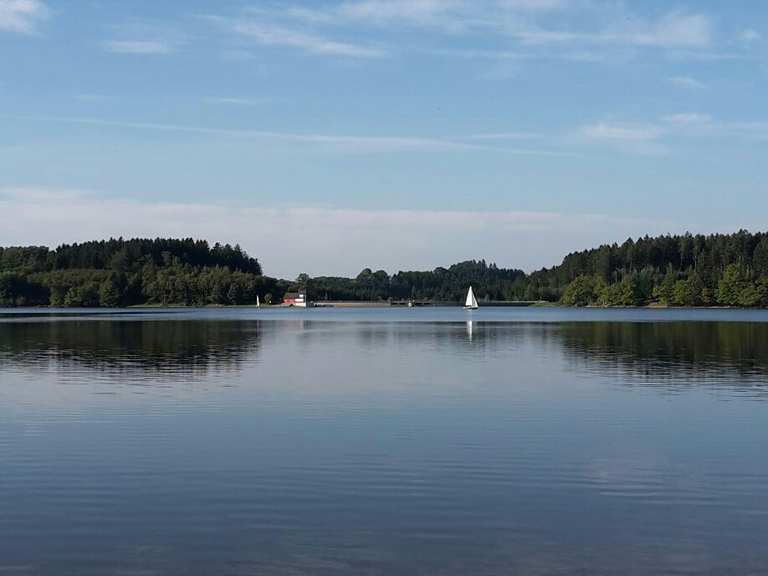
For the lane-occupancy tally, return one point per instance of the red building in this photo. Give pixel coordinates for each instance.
(298, 299)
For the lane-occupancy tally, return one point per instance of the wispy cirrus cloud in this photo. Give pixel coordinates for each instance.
(749, 130)
(362, 144)
(534, 5)
(269, 35)
(687, 82)
(22, 16)
(750, 36)
(688, 119)
(611, 132)
(506, 136)
(641, 139)
(419, 12)
(140, 47)
(683, 127)
(346, 143)
(446, 15)
(672, 30)
(234, 101)
(523, 29)
(697, 124)
(144, 38)
(512, 19)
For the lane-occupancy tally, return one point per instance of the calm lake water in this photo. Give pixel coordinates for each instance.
(260, 442)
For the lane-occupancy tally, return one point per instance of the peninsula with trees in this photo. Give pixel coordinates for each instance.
(672, 270)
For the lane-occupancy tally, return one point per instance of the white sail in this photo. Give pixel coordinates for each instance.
(258, 302)
(471, 302)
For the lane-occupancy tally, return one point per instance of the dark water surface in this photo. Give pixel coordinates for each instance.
(529, 441)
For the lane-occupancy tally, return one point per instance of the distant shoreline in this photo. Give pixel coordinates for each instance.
(377, 305)
(722, 270)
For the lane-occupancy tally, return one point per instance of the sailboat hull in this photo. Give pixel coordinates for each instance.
(471, 302)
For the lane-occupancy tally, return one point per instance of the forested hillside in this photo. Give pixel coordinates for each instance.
(684, 270)
(128, 272)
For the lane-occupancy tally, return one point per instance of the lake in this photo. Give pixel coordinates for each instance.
(383, 441)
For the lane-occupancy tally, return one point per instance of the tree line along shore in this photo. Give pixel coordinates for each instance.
(674, 270)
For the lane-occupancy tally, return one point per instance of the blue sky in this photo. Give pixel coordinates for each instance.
(328, 136)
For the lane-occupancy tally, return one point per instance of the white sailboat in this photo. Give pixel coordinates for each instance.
(258, 302)
(471, 302)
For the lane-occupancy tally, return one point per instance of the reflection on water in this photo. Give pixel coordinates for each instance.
(688, 353)
(131, 347)
(325, 443)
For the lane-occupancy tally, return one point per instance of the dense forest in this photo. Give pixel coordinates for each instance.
(121, 272)
(682, 270)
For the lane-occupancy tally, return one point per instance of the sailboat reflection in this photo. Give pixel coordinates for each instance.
(470, 329)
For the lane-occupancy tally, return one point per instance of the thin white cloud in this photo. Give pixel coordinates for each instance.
(673, 30)
(709, 55)
(379, 143)
(268, 35)
(447, 15)
(754, 130)
(688, 119)
(351, 144)
(389, 239)
(424, 12)
(687, 82)
(508, 60)
(234, 101)
(348, 143)
(139, 47)
(750, 36)
(522, 26)
(21, 16)
(506, 136)
(649, 138)
(533, 5)
(621, 132)
(676, 29)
